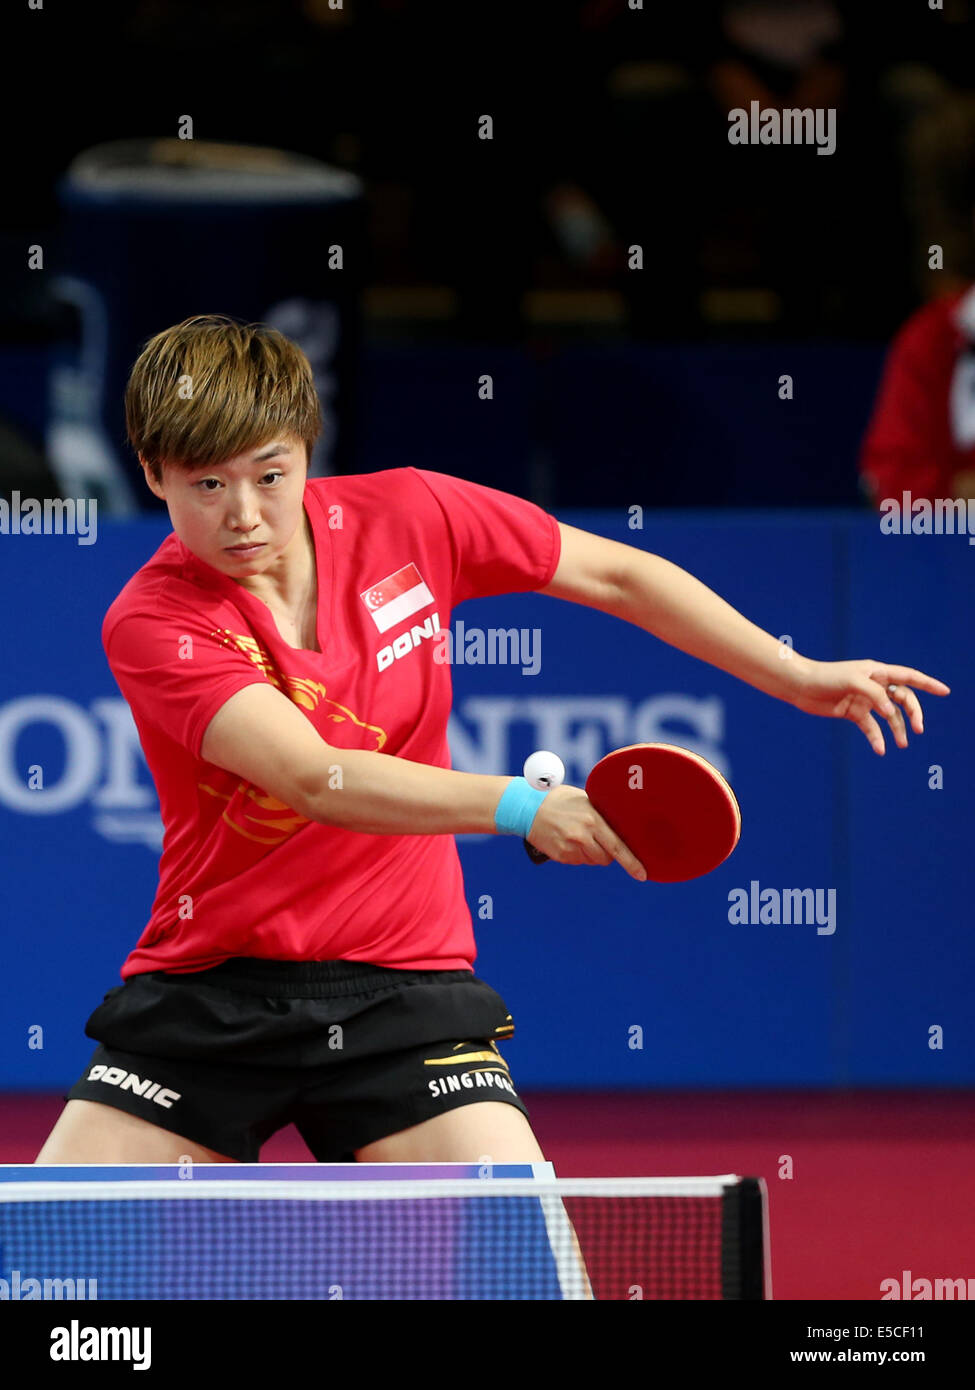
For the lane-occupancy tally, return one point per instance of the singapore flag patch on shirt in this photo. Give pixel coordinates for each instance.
(396, 597)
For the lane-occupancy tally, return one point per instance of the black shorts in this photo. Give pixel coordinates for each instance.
(349, 1053)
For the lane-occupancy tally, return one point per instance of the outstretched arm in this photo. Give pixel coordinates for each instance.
(661, 598)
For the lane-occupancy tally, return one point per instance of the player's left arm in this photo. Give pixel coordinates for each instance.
(661, 598)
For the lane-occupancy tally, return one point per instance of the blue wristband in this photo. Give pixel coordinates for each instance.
(518, 807)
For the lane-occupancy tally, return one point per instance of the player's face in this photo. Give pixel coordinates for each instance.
(240, 516)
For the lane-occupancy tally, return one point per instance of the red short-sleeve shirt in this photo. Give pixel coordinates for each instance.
(241, 874)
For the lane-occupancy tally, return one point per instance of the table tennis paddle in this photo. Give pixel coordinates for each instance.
(669, 806)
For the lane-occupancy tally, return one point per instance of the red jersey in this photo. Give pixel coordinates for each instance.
(923, 426)
(242, 874)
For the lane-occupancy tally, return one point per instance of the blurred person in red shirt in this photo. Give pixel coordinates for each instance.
(921, 437)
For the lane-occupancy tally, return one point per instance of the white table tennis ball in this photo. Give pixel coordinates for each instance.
(544, 771)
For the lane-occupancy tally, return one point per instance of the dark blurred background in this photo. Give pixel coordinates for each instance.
(613, 383)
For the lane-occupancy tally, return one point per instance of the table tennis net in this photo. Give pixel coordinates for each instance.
(649, 1238)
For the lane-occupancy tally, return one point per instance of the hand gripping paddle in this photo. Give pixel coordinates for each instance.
(669, 806)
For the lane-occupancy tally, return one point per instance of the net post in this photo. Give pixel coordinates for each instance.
(743, 1243)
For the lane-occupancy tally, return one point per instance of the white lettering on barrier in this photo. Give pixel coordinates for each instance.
(104, 765)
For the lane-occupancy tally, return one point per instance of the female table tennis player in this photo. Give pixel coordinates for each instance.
(309, 956)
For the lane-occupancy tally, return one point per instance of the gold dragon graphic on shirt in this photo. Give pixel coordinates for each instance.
(260, 817)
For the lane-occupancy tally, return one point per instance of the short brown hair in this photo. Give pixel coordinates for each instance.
(210, 388)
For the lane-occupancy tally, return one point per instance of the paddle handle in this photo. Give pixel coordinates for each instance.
(535, 855)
